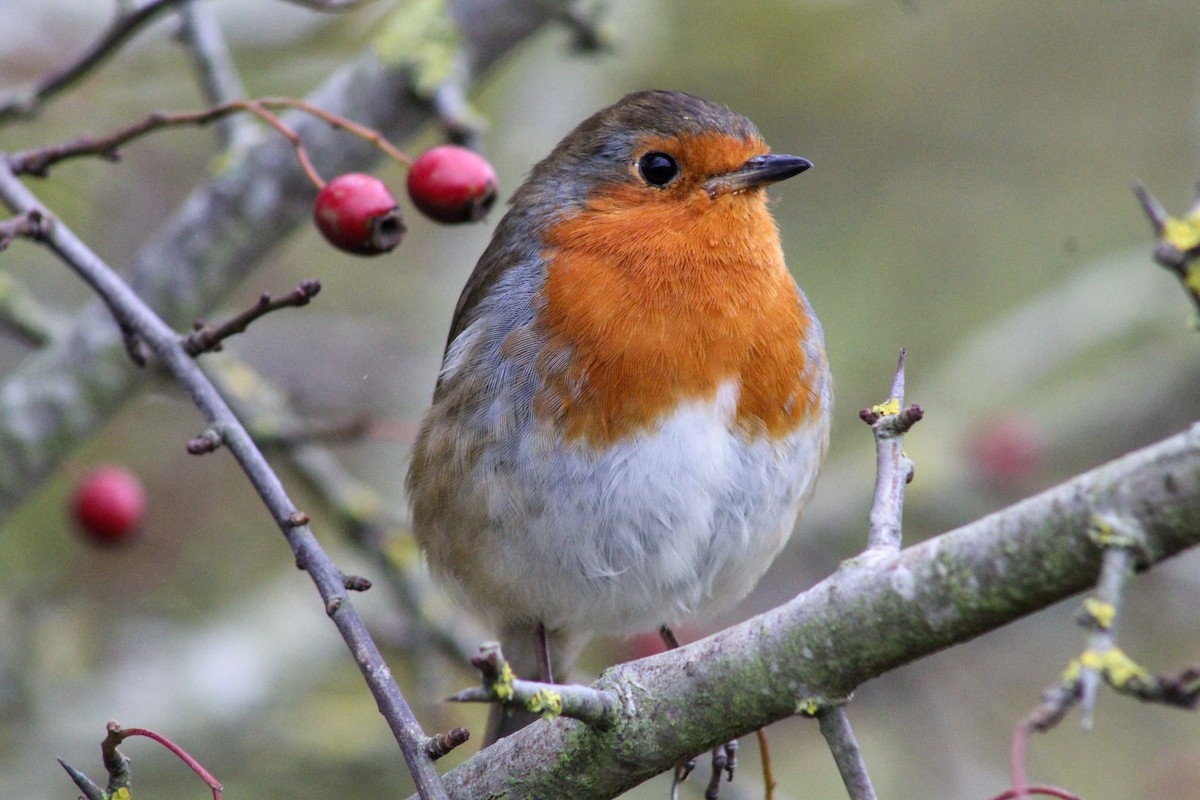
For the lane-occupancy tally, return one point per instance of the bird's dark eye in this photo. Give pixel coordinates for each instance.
(658, 169)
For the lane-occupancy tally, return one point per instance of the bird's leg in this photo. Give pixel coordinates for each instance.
(541, 646)
(668, 636)
(724, 761)
(724, 756)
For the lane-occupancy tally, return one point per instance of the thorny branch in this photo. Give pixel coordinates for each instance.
(310, 556)
(1178, 240)
(1123, 543)
(889, 422)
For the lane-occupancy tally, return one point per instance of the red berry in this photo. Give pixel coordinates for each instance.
(452, 184)
(109, 505)
(358, 214)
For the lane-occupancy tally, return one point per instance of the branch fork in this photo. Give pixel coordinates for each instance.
(1124, 543)
(595, 707)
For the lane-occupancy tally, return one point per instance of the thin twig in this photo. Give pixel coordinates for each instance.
(356, 506)
(889, 422)
(835, 727)
(764, 749)
(592, 706)
(1122, 543)
(117, 734)
(342, 123)
(308, 551)
(208, 338)
(39, 160)
(218, 75)
(119, 31)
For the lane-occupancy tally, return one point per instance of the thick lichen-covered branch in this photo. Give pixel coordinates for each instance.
(870, 617)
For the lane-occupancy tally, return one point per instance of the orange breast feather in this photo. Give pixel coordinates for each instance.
(648, 305)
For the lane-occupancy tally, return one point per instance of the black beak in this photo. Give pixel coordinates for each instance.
(758, 171)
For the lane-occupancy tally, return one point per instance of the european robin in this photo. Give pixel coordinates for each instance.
(634, 400)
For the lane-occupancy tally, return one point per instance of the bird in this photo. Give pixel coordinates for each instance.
(634, 401)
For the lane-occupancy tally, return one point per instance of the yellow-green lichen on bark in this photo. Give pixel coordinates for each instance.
(422, 37)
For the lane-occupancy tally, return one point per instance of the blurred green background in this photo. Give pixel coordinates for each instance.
(970, 201)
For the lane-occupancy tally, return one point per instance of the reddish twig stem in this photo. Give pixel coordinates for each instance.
(39, 160)
(119, 734)
(166, 345)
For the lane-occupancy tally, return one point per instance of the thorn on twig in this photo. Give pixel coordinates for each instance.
(1181, 690)
(206, 442)
(90, 790)
(1155, 211)
(443, 743)
(208, 338)
(1178, 240)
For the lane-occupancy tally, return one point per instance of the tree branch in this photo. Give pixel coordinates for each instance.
(134, 314)
(229, 225)
(871, 616)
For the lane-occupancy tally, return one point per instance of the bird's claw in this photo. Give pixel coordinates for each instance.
(724, 762)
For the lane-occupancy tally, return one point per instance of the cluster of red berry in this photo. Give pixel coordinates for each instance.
(357, 212)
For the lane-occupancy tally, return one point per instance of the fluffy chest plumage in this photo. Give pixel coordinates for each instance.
(659, 525)
(645, 308)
